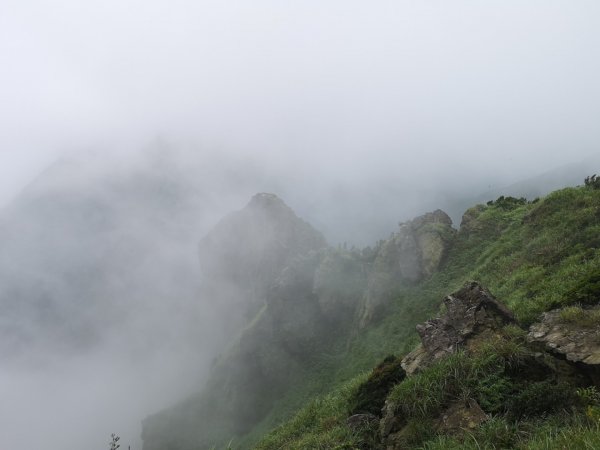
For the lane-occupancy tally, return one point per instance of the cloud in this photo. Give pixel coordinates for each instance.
(358, 114)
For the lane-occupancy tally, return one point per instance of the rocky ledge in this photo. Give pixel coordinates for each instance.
(572, 332)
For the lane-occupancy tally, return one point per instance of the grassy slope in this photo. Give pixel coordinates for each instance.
(532, 256)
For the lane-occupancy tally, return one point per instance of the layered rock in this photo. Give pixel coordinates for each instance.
(576, 340)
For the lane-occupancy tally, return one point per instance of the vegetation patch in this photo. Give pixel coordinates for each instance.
(370, 396)
(322, 425)
(592, 181)
(484, 376)
(579, 316)
(507, 202)
(538, 398)
(586, 290)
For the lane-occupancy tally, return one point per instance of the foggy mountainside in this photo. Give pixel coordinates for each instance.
(333, 313)
(299, 225)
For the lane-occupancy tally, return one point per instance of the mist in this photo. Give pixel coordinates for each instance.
(129, 129)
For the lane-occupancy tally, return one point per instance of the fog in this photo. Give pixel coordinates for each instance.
(129, 128)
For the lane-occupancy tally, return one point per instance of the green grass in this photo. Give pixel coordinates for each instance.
(534, 257)
(559, 432)
(579, 316)
(321, 424)
(481, 376)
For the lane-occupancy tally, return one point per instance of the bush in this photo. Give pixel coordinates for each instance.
(370, 396)
(592, 182)
(507, 202)
(540, 398)
(586, 291)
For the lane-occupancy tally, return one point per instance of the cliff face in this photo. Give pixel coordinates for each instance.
(304, 300)
(411, 254)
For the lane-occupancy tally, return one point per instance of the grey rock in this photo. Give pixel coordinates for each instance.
(579, 343)
(472, 314)
(411, 254)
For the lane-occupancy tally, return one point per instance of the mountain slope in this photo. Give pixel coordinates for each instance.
(534, 257)
(310, 311)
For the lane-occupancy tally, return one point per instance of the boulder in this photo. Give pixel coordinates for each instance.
(472, 314)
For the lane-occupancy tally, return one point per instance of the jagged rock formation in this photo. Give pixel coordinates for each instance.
(576, 340)
(472, 314)
(414, 252)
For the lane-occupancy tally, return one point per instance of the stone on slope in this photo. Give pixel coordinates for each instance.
(472, 314)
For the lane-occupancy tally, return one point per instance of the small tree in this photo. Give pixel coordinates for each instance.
(114, 445)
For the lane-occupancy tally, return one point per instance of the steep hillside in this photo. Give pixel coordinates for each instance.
(332, 314)
(313, 303)
(518, 390)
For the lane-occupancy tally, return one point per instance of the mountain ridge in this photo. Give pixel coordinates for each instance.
(508, 229)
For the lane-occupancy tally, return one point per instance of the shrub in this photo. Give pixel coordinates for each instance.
(370, 396)
(507, 202)
(586, 291)
(541, 398)
(114, 445)
(592, 182)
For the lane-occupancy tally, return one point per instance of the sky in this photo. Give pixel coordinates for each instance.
(321, 100)
(336, 88)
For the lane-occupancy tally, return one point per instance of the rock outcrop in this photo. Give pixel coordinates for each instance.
(472, 314)
(559, 354)
(411, 254)
(576, 340)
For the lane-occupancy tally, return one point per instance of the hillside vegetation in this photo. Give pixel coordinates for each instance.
(308, 355)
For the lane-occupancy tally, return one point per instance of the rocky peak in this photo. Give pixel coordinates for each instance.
(437, 216)
(267, 201)
(248, 249)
